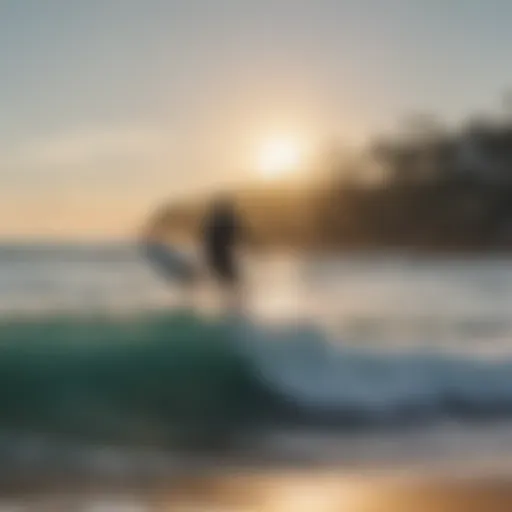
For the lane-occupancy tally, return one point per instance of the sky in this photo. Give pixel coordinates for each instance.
(110, 107)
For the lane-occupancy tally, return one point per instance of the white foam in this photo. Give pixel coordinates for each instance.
(313, 373)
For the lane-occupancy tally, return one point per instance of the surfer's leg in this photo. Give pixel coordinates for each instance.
(223, 266)
(237, 303)
(232, 291)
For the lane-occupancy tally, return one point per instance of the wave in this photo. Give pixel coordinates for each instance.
(176, 379)
(153, 378)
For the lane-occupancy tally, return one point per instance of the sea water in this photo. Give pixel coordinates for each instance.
(360, 359)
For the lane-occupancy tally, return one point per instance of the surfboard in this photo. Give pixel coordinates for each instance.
(170, 262)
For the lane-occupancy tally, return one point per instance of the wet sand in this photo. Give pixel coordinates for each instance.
(281, 492)
(436, 469)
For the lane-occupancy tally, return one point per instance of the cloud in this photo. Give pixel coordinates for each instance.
(97, 180)
(93, 149)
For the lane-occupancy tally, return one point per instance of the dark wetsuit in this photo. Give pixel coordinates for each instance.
(220, 235)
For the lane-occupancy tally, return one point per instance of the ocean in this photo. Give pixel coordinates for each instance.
(372, 362)
(384, 298)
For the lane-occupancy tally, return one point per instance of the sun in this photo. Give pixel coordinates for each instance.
(279, 156)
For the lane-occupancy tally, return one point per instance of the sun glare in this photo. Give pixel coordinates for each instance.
(278, 157)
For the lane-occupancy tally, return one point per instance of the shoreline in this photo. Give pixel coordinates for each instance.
(38, 463)
(280, 491)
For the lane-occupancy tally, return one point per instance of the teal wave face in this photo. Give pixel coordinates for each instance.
(184, 381)
(152, 379)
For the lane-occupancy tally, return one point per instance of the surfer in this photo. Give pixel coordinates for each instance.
(221, 233)
(219, 236)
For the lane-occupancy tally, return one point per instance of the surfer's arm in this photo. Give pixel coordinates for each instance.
(154, 229)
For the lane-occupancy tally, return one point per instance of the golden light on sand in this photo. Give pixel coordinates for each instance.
(280, 156)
